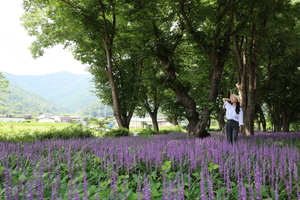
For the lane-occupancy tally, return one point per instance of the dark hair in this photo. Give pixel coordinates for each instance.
(237, 108)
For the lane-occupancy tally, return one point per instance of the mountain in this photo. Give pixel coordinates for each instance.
(21, 101)
(62, 88)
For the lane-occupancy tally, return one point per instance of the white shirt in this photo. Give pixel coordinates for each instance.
(231, 114)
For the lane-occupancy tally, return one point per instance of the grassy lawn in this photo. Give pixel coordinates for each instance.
(9, 126)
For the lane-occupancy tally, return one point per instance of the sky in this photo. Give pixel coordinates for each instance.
(15, 57)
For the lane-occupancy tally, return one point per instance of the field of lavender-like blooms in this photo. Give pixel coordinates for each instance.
(173, 166)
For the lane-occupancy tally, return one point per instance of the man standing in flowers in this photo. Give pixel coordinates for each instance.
(234, 116)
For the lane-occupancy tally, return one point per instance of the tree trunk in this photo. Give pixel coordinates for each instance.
(262, 119)
(117, 114)
(183, 97)
(286, 123)
(216, 50)
(250, 114)
(277, 121)
(126, 119)
(247, 98)
(217, 60)
(153, 116)
(221, 120)
(123, 120)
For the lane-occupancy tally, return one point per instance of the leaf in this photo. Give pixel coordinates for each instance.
(196, 174)
(216, 166)
(92, 189)
(135, 177)
(45, 175)
(129, 191)
(155, 193)
(22, 177)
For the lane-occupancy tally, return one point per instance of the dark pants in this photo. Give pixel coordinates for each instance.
(232, 130)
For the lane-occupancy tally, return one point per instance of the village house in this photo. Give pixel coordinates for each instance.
(48, 118)
(69, 119)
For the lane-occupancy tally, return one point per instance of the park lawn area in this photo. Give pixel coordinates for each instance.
(171, 166)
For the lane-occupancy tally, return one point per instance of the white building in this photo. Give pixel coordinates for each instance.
(12, 119)
(48, 118)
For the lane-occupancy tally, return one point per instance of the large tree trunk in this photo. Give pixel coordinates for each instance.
(277, 122)
(247, 98)
(216, 50)
(286, 123)
(184, 98)
(117, 114)
(123, 120)
(221, 120)
(217, 60)
(153, 116)
(250, 113)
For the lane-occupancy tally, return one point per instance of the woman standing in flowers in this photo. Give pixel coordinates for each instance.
(234, 116)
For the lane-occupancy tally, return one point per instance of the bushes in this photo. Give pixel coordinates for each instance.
(41, 133)
(148, 132)
(73, 131)
(117, 132)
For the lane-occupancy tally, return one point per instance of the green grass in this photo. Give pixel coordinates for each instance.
(12, 126)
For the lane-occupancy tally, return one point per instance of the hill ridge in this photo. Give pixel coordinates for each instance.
(62, 88)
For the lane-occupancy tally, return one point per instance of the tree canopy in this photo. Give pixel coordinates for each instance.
(139, 51)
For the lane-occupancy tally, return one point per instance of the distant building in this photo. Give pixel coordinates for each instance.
(69, 119)
(27, 116)
(12, 119)
(48, 118)
(141, 122)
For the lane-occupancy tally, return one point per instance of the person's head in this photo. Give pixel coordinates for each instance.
(234, 98)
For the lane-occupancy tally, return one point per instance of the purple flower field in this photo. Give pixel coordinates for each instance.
(173, 166)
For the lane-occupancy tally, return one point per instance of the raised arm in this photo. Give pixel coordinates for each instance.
(225, 100)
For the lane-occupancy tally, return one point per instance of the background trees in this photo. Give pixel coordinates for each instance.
(3, 84)
(139, 51)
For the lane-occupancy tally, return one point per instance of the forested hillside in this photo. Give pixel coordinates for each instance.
(21, 101)
(63, 88)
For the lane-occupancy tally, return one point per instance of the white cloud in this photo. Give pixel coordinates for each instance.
(15, 57)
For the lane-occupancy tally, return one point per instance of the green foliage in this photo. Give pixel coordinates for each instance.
(103, 123)
(97, 109)
(3, 85)
(148, 132)
(75, 131)
(121, 41)
(27, 135)
(120, 132)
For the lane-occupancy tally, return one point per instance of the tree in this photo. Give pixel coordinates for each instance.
(251, 46)
(92, 31)
(3, 84)
(152, 91)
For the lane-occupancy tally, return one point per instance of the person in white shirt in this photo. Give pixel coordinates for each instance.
(234, 116)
